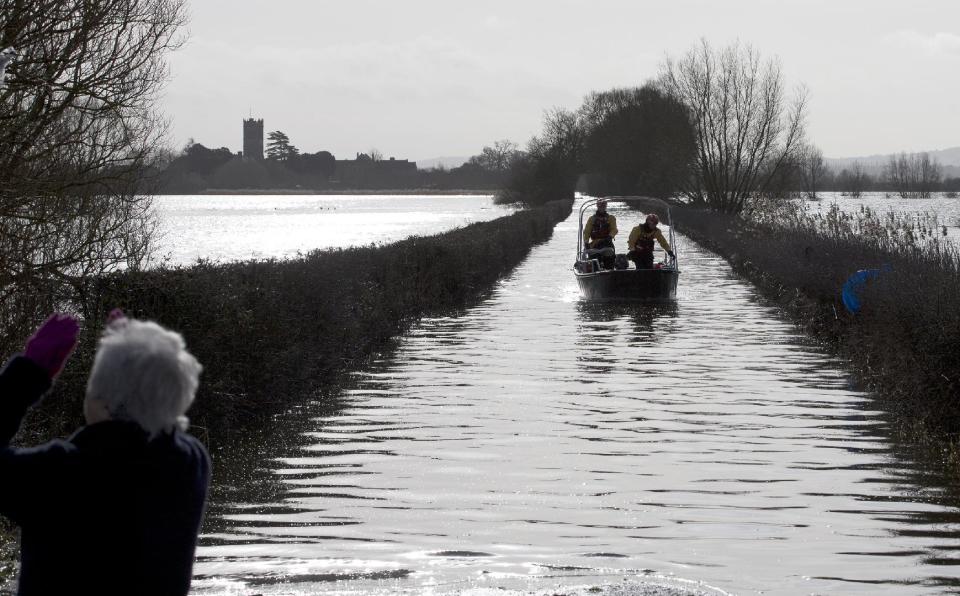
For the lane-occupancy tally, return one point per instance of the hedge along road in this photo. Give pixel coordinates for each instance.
(535, 441)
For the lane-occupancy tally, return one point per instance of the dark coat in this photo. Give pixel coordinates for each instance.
(108, 511)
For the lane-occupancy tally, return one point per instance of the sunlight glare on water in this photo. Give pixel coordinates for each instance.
(240, 227)
(539, 443)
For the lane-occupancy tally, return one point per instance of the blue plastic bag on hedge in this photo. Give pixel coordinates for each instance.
(851, 298)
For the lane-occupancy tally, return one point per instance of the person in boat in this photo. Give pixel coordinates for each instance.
(116, 508)
(598, 234)
(640, 242)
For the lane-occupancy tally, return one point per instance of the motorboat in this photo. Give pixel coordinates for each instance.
(623, 282)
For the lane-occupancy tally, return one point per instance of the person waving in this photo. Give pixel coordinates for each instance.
(116, 508)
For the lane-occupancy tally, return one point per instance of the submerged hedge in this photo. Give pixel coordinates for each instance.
(904, 345)
(268, 332)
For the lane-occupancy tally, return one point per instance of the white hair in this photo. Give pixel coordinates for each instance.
(143, 372)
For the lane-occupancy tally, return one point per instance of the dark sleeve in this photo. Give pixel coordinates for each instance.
(25, 472)
(22, 384)
(30, 477)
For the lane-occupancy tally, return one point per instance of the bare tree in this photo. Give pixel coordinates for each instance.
(929, 175)
(376, 155)
(896, 174)
(913, 175)
(552, 164)
(78, 133)
(857, 181)
(497, 158)
(747, 130)
(812, 170)
(562, 138)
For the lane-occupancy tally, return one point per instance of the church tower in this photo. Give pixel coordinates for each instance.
(253, 138)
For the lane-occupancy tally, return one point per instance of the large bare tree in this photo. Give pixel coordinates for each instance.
(79, 130)
(747, 129)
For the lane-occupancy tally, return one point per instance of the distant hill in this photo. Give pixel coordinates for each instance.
(450, 161)
(949, 159)
(946, 157)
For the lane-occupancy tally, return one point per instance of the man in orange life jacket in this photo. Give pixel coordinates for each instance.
(599, 232)
(640, 242)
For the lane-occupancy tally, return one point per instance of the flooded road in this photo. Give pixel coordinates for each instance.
(539, 443)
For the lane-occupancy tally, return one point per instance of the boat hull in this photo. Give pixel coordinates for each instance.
(629, 285)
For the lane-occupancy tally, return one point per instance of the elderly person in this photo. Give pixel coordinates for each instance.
(116, 508)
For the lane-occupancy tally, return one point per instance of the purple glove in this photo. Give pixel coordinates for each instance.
(51, 344)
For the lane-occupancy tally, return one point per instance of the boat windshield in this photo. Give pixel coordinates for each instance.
(645, 205)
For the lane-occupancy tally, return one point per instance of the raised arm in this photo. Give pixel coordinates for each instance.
(22, 384)
(28, 473)
(25, 379)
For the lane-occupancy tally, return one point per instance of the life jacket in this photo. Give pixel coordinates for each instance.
(645, 240)
(601, 226)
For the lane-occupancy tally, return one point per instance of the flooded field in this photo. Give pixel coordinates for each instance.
(538, 443)
(946, 209)
(239, 227)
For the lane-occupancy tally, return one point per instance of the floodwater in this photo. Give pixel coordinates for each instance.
(538, 444)
(240, 227)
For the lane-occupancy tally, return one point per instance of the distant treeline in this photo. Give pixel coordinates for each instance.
(615, 158)
(908, 175)
(198, 168)
(715, 127)
(619, 142)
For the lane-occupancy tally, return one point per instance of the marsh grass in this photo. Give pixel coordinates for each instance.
(904, 344)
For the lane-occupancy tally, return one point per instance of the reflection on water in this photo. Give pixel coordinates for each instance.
(536, 441)
(239, 227)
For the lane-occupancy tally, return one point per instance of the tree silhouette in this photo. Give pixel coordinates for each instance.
(497, 158)
(79, 131)
(749, 134)
(279, 147)
(640, 141)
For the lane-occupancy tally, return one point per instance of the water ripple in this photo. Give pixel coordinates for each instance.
(706, 440)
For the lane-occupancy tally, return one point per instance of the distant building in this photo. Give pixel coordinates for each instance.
(253, 138)
(365, 172)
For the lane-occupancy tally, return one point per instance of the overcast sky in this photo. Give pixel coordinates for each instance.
(428, 78)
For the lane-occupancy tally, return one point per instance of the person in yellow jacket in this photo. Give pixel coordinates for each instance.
(598, 233)
(640, 242)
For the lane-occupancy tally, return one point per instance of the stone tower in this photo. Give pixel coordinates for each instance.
(253, 138)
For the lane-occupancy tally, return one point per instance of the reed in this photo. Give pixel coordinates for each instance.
(904, 345)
